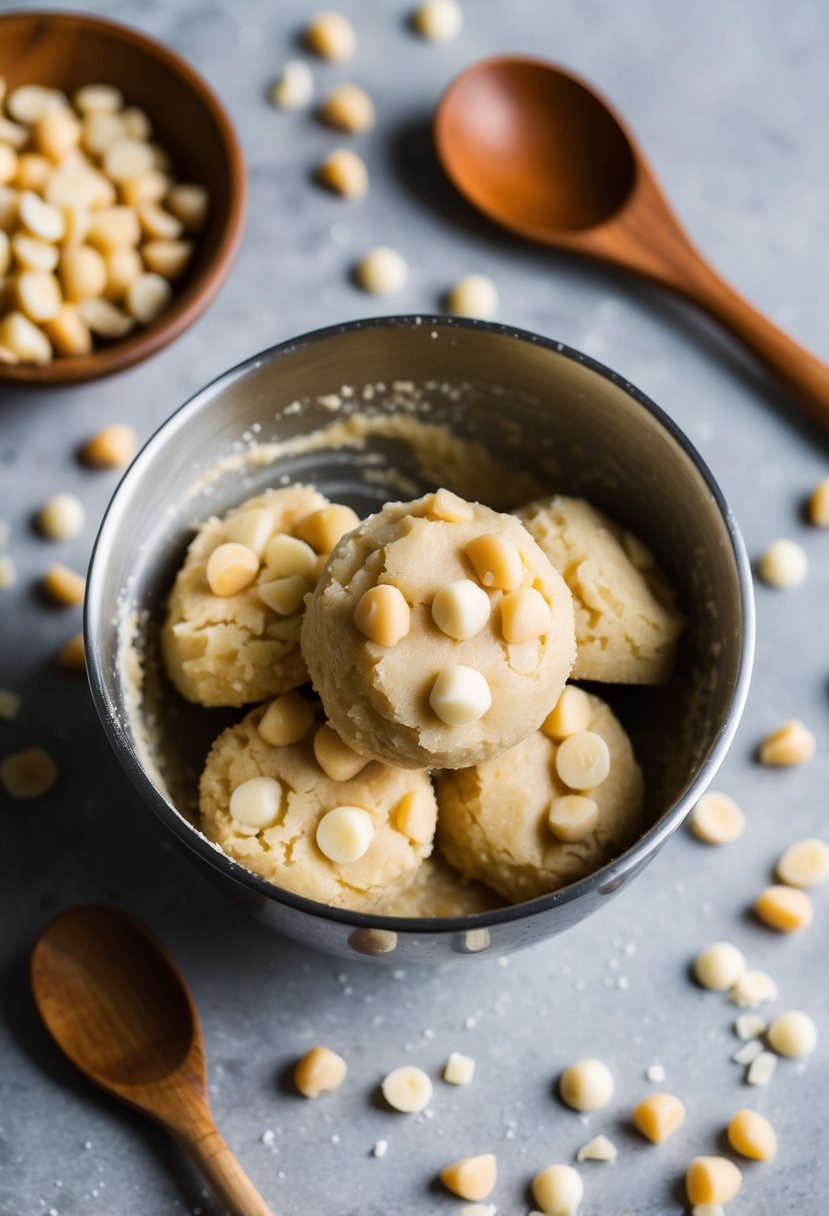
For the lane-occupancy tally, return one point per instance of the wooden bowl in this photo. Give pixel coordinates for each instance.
(65, 51)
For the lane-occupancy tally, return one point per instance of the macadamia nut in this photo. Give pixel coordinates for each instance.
(382, 272)
(472, 1177)
(783, 565)
(751, 1135)
(319, 1071)
(658, 1116)
(331, 36)
(112, 448)
(407, 1089)
(712, 1180)
(790, 744)
(804, 864)
(786, 909)
(719, 966)
(717, 819)
(586, 1085)
(62, 517)
(793, 1034)
(348, 108)
(438, 20)
(558, 1190)
(345, 173)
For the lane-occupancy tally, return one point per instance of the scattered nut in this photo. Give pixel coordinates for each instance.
(753, 988)
(573, 818)
(712, 1180)
(344, 172)
(62, 517)
(750, 1026)
(784, 908)
(382, 272)
(231, 568)
(461, 609)
(460, 695)
(783, 565)
(348, 108)
(793, 1034)
(295, 87)
(600, 1148)
(752, 1136)
(345, 834)
(319, 1071)
(558, 1190)
(792, 743)
(658, 1116)
(336, 759)
(805, 863)
(383, 615)
(407, 1089)
(761, 1069)
(719, 966)
(112, 448)
(475, 296)
(28, 774)
(63, 585)
(438, 20)
(819, 504)
(471, 1177)
(586, 1085)
(458, 1069)
(583, 760)
(570, 715)
(71, 655)
(287, 720)
(331, 36)
(717, 819)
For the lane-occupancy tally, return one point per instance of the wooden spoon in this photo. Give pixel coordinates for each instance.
(538, 151)
(116, 1004)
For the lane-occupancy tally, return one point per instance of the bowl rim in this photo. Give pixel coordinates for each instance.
(609, 875)
(189, 306)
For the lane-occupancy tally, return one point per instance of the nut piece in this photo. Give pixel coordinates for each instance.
(158, 224)
(25, 342)
(319, 1071)
(749, 1026)
(793, 1034)
(438, 20)
(804, 864)
(322, 529)
(27, 103)
(712, 1180)
(38, 295)
(112, 448)
(114, 228)
(345, 834)
(414, 818)
(9, 167)
(331, 36)
(717, 819)
(407, 1089)
(583, 760)
(448, 506)
(761, 1069)
(287, 720)
(30, 252)
(345, 173)
(284, 554)
(752, 1136)
(68, 332)
(460, 695)
(28, 774)
(336, 759)
(189, 203)
(83, 273)
(295, 87)
(147, 297)
(167, 258)
(753, 988)
(460, 609)
(231, 568)
(57, 132)
(253, 528)
(658, 1116)
(785, 909)
(600, 1148)
(382, 272)
(458, 1069)
(472, 1177)
(126, 158)
(586, 1085)
(558, 1190)
(496, 561)
(573, 818)
(123, 266)
(284, 596)
(62, 517)
(819, 504)
(719, 966)
(570, 715)
(98, 97)
(63, 585)
(525, 615)
(474, 296)
(71, 654)
(792, 743)
(783, 565)
(105, 319)
(257, 803)
(348, 108)
(40, 218)
(383, 615)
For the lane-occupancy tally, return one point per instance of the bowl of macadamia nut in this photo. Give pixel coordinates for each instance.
(421, 635)
(122, 197)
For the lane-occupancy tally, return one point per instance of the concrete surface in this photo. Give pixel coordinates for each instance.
(730, 101)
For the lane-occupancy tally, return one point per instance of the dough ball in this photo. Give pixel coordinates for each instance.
(627, 626)
(381, 698)
(494, 818)
(286, 853)
(438, 890)
(234, 649)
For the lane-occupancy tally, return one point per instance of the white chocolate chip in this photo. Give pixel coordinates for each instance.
(331, 36)
(438, 20)
(570, 715)
(336, 759)
(382, 272)
(475, 296)
(407, 1089)
(783, 565)
(600, 1148)
(460, 695)
(257, 803)
(717, 819)
(748, 1053)
(583, 760)
(295, 87)
(345, 834)
(586, 1085)
(383, 615)
(287, 720)
(558, 1190)
(30, 773)
(458, 1069)
(805, 863)
(231, 568)
(62, 517)
(496, 561)
(461, 609)
(573, 818)
(793, 1034)
(719, 966)
(252, 529)
(753, 988)
(448, 506)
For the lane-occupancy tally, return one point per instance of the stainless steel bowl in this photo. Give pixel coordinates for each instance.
(540, 407)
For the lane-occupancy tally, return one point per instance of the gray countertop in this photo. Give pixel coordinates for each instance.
(730, 101)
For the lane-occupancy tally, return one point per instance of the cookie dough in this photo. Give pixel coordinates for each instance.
(273, 827)
(231, 649)
(627, 626)
(494, 819)
(439, 891)
(439, 634)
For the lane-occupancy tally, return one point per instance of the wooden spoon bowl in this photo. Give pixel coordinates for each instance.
(67, 50)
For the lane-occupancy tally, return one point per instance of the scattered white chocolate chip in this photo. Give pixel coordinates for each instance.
(287, 720)
(819, 504)
(438, 20)
(345, 834)
(63, 585)
(324, 528)
(319, 1071)
(570, 715)
(407, 1089)
(761, 1069)
(712, 1180)
(460, 695)
(749, 1026)
(471, 1177)
(573, 818)
(62, 517)
(414, 818)
(586, 1085)
(558, 1190)
(792, 743)
(284, 596)
(793, 1034)
(383, 615)
(331, 36)
(295, 87)
(753, 988)
(751, 1135)
(448, 506)
(783, 565)
(458, 1069)
(345, 173)
(348, 108)
(10, 703)
(717, 819)
(230, 568)
(257, 803)
(785, 909)
(496, 561)
(460, 609)
(336, 759)
(658, 1116)
(112, 448)
(600, 1148)
(30, 773)
(583, 760)
(72, 656)
(525, 615)
(475, 296)
(805, 863)
(719, 966)
(382, 272)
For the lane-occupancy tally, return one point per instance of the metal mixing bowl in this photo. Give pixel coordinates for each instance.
(540, 408)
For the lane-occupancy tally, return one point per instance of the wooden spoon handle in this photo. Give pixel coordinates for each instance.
(224, 1173)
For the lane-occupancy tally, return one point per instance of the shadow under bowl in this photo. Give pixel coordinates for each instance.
(540, 410)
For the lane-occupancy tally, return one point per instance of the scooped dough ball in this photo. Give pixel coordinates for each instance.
(234, 649)
(272, 827)
(495, 817)
(451, 689)
(627, 627)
